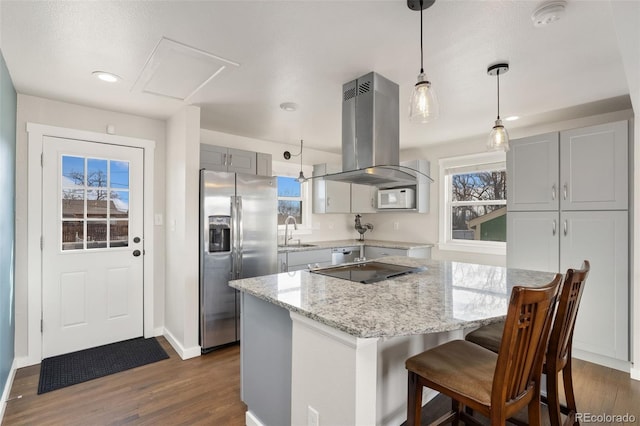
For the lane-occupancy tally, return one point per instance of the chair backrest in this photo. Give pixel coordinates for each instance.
(565, 318)
(524, 341)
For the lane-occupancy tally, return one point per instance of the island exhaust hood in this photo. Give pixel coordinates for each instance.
(371, 135)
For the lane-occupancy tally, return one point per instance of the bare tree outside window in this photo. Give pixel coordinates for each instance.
(475, 196)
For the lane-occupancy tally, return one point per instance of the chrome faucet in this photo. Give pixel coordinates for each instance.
(362, 228)
(288, 237)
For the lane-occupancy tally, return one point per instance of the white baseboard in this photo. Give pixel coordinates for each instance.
(7, 389)
(251, 420)
(184, 353)
(635, 373)
(158, 331)
(606, 361)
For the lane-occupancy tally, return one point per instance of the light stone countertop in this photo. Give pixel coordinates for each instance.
(316, 245)
(447, 296)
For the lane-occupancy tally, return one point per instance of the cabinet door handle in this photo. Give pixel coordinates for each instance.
(231, 159)
(553, 192)
(328, 201)
(224, 159)
(554, 227)
(565, 227)
(565, 190)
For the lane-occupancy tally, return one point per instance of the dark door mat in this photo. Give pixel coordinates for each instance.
(77, 367)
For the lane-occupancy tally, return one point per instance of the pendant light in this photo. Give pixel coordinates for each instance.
(424, 102)
(498, 138)
(288, 155)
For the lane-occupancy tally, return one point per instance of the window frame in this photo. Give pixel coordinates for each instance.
(293, 170)
(446, 203)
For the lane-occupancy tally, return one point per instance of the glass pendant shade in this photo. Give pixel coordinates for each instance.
(301, 177)
(498, 138)
(424, 102)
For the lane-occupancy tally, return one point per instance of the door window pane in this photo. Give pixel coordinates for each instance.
(97, 203)
(73, 203)
(97, 172)
(119, 206)
(72, 235)
(96, 234)
(102, 192)
(72, 171)
(119, 175)
(119, 233)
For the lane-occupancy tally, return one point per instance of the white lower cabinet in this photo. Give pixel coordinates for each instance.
(373, 252)
(299, 260)
(556, 241)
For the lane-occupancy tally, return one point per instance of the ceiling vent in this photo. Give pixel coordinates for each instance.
(176, 70)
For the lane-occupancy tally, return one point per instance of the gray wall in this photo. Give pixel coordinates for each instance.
(7, 220)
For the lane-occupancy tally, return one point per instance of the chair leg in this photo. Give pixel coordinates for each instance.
(414, 400)
(455, 408)
(552, 398)
(568, 390)
(535, 416)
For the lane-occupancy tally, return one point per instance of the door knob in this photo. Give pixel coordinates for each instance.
(136, 240)
(136, 253)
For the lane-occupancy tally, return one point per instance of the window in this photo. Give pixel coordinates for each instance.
(294, 198)
(95, 203)
(290, 201)
(474, 203)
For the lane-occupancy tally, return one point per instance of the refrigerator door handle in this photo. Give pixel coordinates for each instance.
(234, 234)
(240, 235)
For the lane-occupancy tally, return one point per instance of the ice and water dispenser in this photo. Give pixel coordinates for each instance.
(219, 234)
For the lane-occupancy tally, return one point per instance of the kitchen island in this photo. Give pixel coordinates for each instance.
(322, 350)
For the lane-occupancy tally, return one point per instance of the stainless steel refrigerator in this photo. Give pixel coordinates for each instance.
(238, 239)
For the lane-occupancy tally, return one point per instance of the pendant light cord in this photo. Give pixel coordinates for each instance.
(498, 76)
(300, 155)
(421, 49)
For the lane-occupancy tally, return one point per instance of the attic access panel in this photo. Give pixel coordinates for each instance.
(177, 70)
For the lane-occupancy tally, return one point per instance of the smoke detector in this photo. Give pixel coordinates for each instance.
(548, 13)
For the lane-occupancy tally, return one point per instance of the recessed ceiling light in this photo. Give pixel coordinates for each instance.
(511, 118)
(548, 12)
(289, 106)
(106, 76)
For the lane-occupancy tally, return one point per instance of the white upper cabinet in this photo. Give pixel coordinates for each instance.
(363, 198)
(329, 196)
(532, 173)
(580, 169)
(222, 159)
(594, 168)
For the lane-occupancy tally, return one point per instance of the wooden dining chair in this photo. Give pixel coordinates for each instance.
(495, 385)
(558, 355)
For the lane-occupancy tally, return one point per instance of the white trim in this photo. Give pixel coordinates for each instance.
(606, 361)
(280, 168)
(635, 373)
(158, 331)
(251, 420)
(445, 242)
(35, 133)
(183, 353)
(7, 388)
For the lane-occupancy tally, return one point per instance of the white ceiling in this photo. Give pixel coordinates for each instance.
(303, 51)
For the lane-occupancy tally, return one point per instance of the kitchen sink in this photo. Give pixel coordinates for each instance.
(295, 245)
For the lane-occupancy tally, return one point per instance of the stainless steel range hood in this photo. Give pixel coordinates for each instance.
(370, 135)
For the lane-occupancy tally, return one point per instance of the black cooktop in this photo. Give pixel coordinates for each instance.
(367, 272)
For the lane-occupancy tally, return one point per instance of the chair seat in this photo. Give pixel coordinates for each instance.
(462, 367)
(488, 336)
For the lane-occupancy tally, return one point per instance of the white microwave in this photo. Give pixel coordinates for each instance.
(396, 198)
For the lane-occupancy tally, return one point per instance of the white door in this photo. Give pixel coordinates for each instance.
(601, 237)
(92, 247)
(533, 240)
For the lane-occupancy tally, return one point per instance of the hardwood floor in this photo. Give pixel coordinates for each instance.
(206, 391)
(198, 391)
